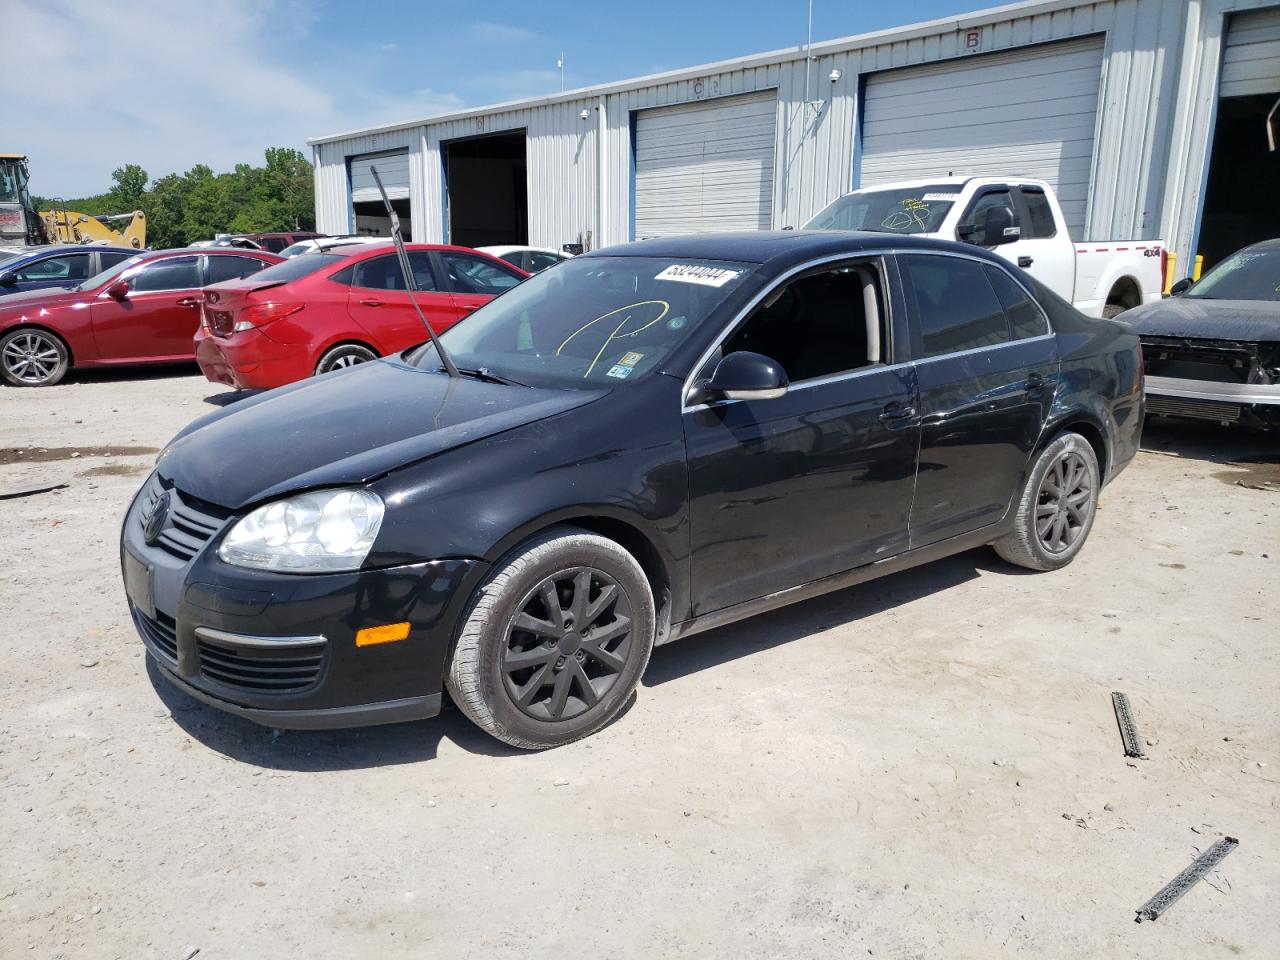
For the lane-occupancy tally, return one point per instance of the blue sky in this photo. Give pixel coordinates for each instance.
(218, 81)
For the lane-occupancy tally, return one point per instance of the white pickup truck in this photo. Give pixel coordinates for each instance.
(1021, 221)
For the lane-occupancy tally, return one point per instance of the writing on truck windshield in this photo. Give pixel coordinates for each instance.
(895, 210)
(590, 322)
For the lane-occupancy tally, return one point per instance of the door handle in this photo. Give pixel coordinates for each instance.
(1025, 261)
(1035, 385)
(896, 412)
(371, 303)
(188, 301)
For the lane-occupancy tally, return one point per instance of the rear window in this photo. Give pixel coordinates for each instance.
(299, 266)
(1041, 224)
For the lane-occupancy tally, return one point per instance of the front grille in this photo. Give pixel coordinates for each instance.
(190, 524)
(1193, 409)
(261, 669)
(161, 633)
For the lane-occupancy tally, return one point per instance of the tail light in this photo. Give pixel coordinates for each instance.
(260, 314)
(1164, 270)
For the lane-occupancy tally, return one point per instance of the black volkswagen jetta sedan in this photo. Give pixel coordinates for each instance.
(645, 442)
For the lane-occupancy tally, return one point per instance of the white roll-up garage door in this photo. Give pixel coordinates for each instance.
(1029, 112)
(1251, 56)
(393, 168)
(705, 166)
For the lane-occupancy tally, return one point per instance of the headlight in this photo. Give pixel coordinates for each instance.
(321, 532)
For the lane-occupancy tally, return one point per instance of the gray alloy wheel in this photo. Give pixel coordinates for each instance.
(345, 355)
(30, 357)
(555, 640)
(1055, 511)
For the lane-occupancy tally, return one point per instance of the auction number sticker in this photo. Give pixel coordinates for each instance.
(940, 196)
(692, 273)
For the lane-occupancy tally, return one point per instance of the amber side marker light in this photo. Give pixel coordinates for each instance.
(389, 633)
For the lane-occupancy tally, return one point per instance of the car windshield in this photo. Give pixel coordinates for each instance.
(301, 246)
(1249, 274)
(108, 274)
(896, 210)
(591, 322)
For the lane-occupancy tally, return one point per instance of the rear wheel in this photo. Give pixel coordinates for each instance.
(344, 355)
(1112, 310)
(33, 358)
(1056, 510)
(554, 641)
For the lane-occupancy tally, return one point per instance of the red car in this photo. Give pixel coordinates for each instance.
(321, 311)
(142, 310)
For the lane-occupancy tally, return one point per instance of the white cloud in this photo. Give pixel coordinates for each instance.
(169, 85)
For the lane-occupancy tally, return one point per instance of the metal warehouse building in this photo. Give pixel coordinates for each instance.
(1148, 116)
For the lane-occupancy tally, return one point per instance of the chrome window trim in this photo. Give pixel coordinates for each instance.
(741, 315)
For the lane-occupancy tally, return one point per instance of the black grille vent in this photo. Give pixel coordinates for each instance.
(1193, 409)
(190, 524)
(161, 634)
(261, 669)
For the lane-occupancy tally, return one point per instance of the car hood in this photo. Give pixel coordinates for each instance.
(46, 297)
(1252, 320)
(348, 427)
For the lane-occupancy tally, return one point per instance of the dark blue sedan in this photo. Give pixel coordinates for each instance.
(57, 266)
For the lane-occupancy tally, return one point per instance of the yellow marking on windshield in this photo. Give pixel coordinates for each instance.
(913, 212)
(615, 335)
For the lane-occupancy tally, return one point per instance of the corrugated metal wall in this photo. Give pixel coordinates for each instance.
(1159, 81)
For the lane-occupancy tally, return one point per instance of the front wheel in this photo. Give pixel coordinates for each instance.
(1056, 508)
(30, 357)
(344, 355)
(554, 641)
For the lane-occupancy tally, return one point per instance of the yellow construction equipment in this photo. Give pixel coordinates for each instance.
(20, 223)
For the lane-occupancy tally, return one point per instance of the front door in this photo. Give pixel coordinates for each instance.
(157, 319)
(818, 481)
(475, 280)
(379, 301)
(987, 370)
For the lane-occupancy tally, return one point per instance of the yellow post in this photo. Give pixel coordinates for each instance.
(1170, 269)
(1195, 274)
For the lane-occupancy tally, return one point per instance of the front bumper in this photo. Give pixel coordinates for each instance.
(279, 649)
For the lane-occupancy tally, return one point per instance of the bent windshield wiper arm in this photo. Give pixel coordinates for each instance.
(488, 376)
(407, 273)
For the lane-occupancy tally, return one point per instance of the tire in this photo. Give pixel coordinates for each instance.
(31, 357)
(344, 355)
(511, 681)
(1112, 310)
(1064, 520)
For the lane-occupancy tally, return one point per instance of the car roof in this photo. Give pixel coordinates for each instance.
(498, 250)
(782, 246)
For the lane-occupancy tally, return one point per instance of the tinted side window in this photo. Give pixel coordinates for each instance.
(67, 269)
(514, 258)
(1041, 216)
(469, 274)
(111, 258)
(540, 261)
(1025, 318)
(180, 273)
(231, 268)
(977, 214)
(954, 304)
(384, 273)
(274, 244)
(818, 325)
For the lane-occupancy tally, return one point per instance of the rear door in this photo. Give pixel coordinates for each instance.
(1043, 250)
(986, 368)
(157, 319)
(474, 281)
(379, 301)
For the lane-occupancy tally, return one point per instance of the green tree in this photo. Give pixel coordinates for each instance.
(130, 187)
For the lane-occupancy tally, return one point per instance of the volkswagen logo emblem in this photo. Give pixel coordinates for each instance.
(153, 523)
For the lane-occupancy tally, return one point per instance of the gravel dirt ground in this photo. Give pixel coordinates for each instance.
(925, 766)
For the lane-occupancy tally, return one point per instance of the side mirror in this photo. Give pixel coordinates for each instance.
(747, 376)
(118, 290)
(8, 278)
(998, 227)
(1181, 287)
